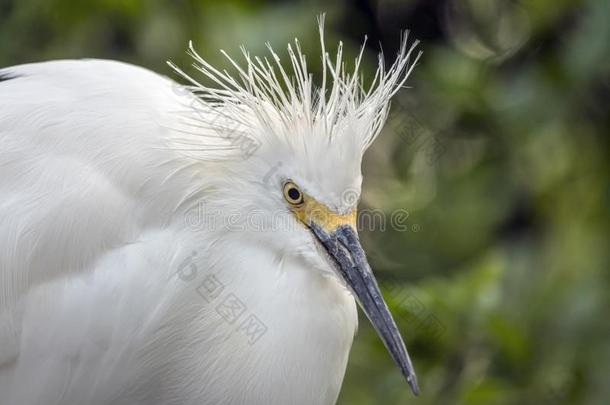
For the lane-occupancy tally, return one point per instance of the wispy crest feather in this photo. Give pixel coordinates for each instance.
(264, 97)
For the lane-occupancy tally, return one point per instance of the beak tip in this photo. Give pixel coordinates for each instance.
(412, 381)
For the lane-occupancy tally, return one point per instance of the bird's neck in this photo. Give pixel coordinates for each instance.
(262, 330)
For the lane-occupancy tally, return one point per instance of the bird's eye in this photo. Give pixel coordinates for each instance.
(292, 194)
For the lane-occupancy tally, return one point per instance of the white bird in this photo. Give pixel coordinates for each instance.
(169, 244)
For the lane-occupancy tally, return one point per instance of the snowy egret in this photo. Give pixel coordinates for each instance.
(111, 292)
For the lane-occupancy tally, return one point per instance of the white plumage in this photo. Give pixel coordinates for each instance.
(110, 292)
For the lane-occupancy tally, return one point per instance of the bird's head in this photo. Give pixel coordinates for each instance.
(290, 154)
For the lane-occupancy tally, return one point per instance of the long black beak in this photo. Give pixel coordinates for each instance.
(344, 247)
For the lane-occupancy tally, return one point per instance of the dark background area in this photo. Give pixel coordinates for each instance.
(497, 153)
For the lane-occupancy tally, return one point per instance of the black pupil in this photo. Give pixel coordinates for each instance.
(294, 194)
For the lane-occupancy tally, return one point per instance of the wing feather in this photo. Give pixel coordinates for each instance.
(83, 155)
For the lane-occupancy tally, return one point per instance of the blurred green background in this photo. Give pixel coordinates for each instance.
(498, 152)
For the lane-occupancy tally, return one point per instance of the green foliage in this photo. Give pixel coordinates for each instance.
(498, 151)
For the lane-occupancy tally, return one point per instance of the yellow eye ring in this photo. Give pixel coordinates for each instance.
(292, 193)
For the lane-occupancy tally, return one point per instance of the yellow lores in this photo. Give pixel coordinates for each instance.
(308, 210)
